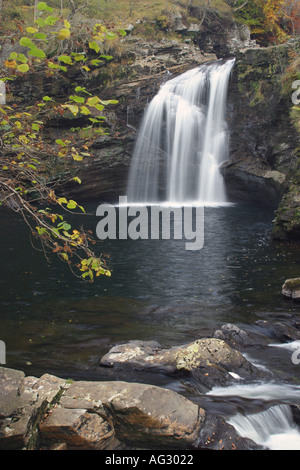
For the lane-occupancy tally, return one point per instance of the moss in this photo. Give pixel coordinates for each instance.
(293, 284)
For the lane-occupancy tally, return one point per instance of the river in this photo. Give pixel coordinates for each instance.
(53, 322)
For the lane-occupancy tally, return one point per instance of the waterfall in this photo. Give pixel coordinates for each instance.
(183, 140)
(273, 428)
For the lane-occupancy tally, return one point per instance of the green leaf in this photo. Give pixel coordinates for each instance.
(93, 45)
(22, 58)
(65, 59)
(60, 142)
(36, 52)
(107, 57)
(41, 231)
(85, 110)
(23, 68)
(96, 62)
(99, 107)
(72, 205)
(93, 101)
(64, 226)
(78, 57)
(110, 35)
(62, 200)
(42, 6)
(63, 34)
(106, 102)
(40, 36)
(47, 98)
(26, 42)
(51, 65)
(77, 99)
(77, 157)
(51, 20)
(73, 108)
(83, 89)
(35, 127)
(31, 30)
(40, 22)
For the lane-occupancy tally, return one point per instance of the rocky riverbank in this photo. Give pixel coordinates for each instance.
(52, 413)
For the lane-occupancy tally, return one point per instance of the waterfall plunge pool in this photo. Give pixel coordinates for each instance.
(52, 322)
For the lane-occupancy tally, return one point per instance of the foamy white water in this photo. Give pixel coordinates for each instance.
(268, 391)
(273, 428)
(291, 346)
(183, 139)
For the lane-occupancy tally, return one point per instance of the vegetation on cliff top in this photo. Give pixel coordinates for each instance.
(269, 20)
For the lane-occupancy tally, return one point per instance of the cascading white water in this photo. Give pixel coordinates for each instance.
(273, 428)
(183, 139)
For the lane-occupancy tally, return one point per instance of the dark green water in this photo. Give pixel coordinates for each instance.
(52, 322)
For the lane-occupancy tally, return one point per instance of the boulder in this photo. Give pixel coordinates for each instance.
(77, 429)
(49, 413)
(142, 415)
(234, 336)
(283, 332)
(291, 288)
(23, 401)
(210, 360)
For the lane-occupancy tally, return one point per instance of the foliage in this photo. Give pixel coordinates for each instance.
(28, 177)
(269, 20)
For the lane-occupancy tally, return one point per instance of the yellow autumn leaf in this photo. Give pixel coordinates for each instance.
(63, 34)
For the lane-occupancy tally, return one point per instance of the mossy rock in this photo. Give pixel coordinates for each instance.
(291, 288)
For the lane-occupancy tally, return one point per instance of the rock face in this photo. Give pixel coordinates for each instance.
(263, 141)
(210, 360)
(51, 413)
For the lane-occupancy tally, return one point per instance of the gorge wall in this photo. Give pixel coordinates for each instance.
(264, 148)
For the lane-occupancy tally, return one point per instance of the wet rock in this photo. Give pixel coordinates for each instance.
(283, 332)
(12, 384)
(217, 434)
(234, 336)
(296, 413)
(77, 429)
(291, 288)
(48, 413)
(23, 401)
(211, 360)
(143, 415)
